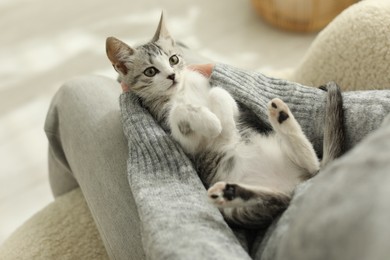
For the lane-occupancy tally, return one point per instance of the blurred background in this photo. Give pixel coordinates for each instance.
(46, 42)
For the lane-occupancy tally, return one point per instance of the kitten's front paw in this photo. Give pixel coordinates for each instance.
(278, 111)
(221, 193)
(213, 127)
(190, 119)
(206, 123)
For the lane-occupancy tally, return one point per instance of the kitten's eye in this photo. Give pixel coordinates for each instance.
(151, 72)
(173, 60)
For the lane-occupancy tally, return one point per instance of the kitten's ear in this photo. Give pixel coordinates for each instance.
(162, 31)
(117, 52)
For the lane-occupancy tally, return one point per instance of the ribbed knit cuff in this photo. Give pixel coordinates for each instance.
(177, 220)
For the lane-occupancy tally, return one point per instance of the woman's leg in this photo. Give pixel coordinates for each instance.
(88, 149)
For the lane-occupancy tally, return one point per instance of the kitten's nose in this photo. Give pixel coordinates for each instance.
(171, 77)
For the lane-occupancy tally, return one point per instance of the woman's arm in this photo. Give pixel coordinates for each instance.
(364, 111)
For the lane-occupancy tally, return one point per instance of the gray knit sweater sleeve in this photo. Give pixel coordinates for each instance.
(364, 110)
(177, 220)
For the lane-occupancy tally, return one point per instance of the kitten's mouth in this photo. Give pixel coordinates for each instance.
(174, 83)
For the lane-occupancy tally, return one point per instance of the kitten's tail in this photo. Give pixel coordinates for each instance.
(334, 133)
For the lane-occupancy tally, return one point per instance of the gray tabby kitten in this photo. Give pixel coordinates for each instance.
(250, 176)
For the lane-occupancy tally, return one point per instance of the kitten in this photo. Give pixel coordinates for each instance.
(250, 176)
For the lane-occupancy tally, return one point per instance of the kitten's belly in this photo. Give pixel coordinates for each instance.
(263, 163)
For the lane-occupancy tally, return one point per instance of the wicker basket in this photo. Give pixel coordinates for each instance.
(300, 15)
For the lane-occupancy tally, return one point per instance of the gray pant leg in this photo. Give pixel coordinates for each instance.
(88, 149)
(60, 176)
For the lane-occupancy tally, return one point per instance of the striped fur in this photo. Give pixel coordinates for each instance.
(334, 136)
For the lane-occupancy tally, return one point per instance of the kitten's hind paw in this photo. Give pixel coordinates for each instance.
(281, 118)
(223, 194)
(217, 195)
(278, 111)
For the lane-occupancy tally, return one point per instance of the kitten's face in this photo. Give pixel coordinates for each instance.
(156, 69)
(151, 70)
